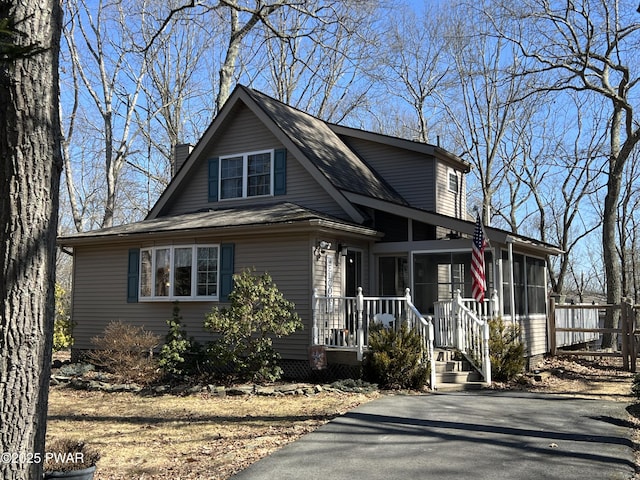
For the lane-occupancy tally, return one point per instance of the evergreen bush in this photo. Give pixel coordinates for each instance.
(257, 312)
(505, 349)
(174, 357)
(395, 359)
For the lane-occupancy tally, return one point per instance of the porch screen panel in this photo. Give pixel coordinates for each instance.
(393, 276)
(529, 284)
(429, 286)
(437, 276)
(519, 284)
(536, 285)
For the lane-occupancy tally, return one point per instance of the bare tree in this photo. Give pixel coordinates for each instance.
(30, 167)
(99, 47)
(571, 176)
(486, 109)
(588, 46)
(416, 58)
(176, 105)
(629, 229)
(321, 64)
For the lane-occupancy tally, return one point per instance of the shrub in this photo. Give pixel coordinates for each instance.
(126, 351)
(66, 455)
(62, 325)
(351, 385)
(257, 312)
(178, 352)
(505, 349)
(635, 385)
(395, 359)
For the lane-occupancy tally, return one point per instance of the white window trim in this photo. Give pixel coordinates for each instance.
(451, 172)
(194, 274)
(245, 174)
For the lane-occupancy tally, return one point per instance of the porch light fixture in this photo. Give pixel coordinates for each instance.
(343, 249)
(321, 248)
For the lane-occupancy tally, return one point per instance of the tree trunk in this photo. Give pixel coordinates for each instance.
(611, 258)
(30, 166)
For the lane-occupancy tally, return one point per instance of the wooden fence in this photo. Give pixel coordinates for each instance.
(573, 327)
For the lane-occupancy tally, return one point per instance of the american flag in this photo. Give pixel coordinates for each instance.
(477, 263)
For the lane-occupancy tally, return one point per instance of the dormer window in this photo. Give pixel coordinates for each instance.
(454, 185)
(246, 175)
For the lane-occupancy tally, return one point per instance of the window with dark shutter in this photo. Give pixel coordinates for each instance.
(280, 172)
(132, 275)
(213, 179)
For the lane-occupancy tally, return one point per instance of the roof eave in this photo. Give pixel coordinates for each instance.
(292, 226)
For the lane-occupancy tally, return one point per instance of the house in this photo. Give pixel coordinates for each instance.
(325, 209)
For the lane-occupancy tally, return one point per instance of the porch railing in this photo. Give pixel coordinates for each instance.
(343, 322)
(462, 323)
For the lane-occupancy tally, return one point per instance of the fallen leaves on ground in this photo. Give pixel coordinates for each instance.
(191, 437)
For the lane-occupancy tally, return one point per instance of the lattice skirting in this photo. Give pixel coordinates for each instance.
(300, 370)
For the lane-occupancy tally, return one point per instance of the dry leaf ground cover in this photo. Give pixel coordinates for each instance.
(190, 437)
(207, 437)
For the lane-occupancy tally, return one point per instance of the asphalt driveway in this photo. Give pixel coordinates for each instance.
(475, 435)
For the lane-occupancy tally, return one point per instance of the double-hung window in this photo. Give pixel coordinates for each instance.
(183, 272)
(247, 175)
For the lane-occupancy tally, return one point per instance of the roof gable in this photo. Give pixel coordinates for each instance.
(331, 163)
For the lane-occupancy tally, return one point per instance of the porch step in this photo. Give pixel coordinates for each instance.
(457, 377)
(453, 374)
(460, 387)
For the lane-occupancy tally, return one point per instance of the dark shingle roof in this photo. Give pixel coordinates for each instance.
(324, 148)
(278, 213)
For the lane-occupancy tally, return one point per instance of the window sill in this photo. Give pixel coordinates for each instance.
(177, 299)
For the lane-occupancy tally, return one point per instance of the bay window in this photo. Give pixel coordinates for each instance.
(179, 272)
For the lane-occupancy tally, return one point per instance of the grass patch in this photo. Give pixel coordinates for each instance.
(193, 437)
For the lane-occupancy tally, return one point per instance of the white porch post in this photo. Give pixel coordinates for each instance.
(360, 308)
(495, 304)
(457, 301)
(486, 360)
(314, 328)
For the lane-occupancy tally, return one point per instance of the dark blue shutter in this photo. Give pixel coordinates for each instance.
(280, 172)
(133, 275)
(213, 179)
(227, 252)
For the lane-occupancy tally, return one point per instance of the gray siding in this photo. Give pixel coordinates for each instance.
(319, 267)
(100, 296)
(243, 133)
(409, 173)
(533, 330)
(448, 202)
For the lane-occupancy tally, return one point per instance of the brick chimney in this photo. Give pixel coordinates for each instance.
(180, 154)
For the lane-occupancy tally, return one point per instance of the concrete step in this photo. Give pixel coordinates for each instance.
(459, 387)
(458, 377)
(453, 366)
